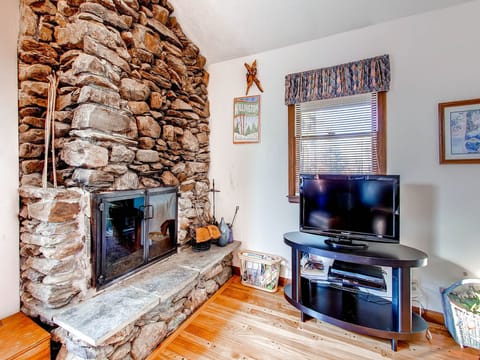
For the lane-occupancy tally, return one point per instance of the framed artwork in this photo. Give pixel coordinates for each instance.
(459, 132)
(246, 119)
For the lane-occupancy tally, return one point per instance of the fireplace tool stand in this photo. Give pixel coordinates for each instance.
(214, 191)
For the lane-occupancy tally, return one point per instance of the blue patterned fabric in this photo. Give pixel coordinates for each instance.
(358, 77)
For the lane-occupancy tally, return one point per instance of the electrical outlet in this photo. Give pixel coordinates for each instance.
(414, 285)
(415, 288)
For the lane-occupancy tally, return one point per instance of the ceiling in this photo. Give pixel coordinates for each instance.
(228, 29)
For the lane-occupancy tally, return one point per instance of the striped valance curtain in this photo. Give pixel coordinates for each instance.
(358, 77)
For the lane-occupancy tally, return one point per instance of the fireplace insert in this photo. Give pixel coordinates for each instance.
(131, 229)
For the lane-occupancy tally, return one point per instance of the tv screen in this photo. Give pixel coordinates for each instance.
(350, 207)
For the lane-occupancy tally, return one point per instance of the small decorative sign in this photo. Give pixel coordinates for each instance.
(246, 119)
(459, 132)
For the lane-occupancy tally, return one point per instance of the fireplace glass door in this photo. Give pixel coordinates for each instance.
(131, 229)
(123, 247)
(161, 224)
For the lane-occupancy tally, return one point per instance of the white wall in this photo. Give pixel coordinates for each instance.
(9, 256)
(434, 58)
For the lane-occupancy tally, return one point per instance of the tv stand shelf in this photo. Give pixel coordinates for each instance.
(355, 310)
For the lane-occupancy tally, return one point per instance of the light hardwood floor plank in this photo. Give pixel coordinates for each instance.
(241, 322)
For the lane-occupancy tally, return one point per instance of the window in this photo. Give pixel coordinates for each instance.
(339, 135)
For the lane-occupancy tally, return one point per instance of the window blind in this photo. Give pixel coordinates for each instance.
(338, 135)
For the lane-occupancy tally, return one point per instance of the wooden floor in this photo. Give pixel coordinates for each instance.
(240, 322)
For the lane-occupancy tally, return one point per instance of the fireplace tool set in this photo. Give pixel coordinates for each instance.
(206, 232)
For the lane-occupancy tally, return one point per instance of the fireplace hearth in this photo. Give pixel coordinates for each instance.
(131, 229)
(129, 316)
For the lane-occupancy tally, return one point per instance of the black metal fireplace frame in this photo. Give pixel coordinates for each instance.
(98, 220)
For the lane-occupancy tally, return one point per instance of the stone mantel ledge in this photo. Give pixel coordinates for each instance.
(102, 316)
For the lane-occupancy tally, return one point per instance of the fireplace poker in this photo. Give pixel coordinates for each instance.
(235, 215)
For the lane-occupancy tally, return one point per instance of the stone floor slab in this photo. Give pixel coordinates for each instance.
(204, 260)
(100, 317)
(170, 279)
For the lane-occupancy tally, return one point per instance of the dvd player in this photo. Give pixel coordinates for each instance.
(350, 274)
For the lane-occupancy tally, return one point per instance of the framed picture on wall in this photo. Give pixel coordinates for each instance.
(246, 119)
(459, 133)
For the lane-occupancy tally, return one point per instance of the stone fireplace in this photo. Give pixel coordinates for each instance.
(131, 107)
(130, 114)
(131, 102)
(131, 316)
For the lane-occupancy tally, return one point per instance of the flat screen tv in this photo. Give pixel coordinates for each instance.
(346, 208)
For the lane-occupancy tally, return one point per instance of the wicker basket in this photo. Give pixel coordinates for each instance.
(463, 325)
(259, 270)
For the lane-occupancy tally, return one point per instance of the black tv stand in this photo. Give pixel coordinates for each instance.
(352, 310)
(338, 243)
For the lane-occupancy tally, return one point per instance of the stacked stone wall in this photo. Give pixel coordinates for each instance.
(131, 112)
(131, 104)
(55, 249)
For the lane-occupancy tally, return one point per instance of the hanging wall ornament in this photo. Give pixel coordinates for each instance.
(252, 76)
